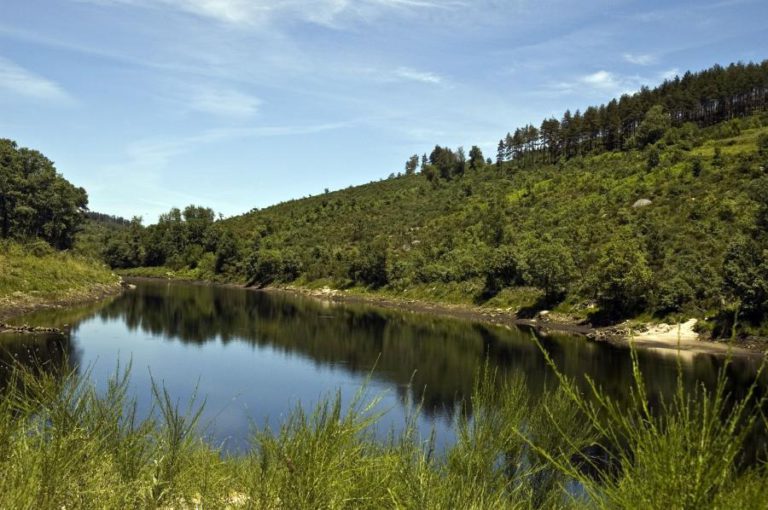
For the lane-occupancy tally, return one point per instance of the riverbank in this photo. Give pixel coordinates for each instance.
(680, 337)
(35, 278)
(651, 336)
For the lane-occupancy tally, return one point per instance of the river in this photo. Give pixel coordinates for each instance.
(254, 356)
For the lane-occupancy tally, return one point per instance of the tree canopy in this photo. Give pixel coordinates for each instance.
(35, 200)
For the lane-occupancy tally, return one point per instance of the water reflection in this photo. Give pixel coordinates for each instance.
(50, 353)
(246, 341)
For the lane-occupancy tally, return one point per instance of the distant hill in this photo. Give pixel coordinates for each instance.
(654, 204)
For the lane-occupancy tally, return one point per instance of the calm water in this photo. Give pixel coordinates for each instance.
(254, 356)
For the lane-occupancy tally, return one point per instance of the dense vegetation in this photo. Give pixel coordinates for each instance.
(706, 98)
(34, 274)
(36, 201)
(65, 445)
(658, 207)
(41, 214)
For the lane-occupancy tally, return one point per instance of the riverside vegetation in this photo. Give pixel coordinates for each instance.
(34, 275)
(65, 445)
(40, 215)
(652, 206)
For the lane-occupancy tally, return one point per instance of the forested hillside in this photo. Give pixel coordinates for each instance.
(654, 204)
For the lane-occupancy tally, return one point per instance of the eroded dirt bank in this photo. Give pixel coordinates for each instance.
(18, 304)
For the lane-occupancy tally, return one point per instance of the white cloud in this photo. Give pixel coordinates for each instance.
(640, 59)
(600, 82)
(225, 103)
(601, 79)
(19, 81)
(407, 73)
(670, 74)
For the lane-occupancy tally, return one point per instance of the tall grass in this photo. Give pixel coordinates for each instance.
(65, 445)
(34, 273)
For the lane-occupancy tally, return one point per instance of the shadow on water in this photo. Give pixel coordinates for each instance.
(419, 356)
(50, 353)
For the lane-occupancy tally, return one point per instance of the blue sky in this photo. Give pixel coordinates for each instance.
(236, 104)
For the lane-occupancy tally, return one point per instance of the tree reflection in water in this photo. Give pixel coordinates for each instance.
(422, 357)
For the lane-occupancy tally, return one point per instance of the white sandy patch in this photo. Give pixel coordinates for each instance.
(669, 333)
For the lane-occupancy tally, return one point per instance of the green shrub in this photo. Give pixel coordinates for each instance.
(762, 145)
(40, 248)
(621, 279)
(745, 277)
(549, 266)
(65, 444)
(369, 267)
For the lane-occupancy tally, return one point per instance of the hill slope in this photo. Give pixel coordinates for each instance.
(672, 229)
(574, 229)
(654, 204)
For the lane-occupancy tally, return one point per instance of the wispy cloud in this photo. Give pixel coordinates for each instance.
(225, 103)
(607, 83)
(156, 153)
(640, 59)
(143, 164)
(257, 12)
(670, 74)
(407, 73)
(603, 83)
(22, 82)
(601, 80)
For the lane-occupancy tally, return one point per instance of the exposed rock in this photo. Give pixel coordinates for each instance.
(643, 202)
(27, 329)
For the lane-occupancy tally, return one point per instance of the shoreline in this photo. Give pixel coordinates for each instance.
(614, 335)
(610, 334)
(11, 308)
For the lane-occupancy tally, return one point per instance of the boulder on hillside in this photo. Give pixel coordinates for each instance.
(643, 202)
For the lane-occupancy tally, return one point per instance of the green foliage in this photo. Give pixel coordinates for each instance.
(227, 253)
(447, 163)
(266, 266)
(502, 269)
(652, 158)
(759, 193)
(621, 279)
(762, 145)
(34, 274)
(127, 249)
(412, 164)
(65, 444)
(181, 241)
(476, 159)
(697, 167)
(35, 200)
(745, 277)
(369, 267)
(655, 123)
(549, 266)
